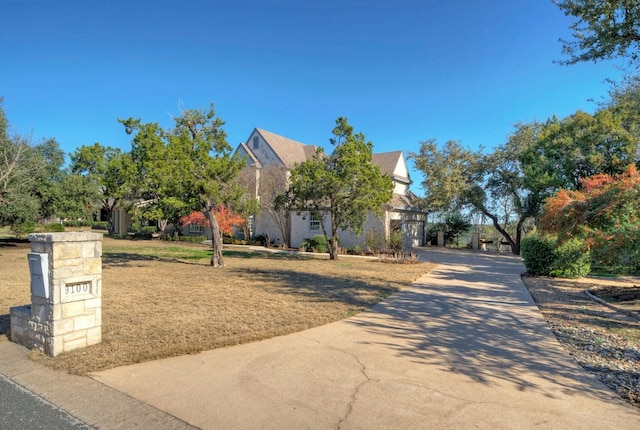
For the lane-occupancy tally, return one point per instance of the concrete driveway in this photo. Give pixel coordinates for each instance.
(464, 347)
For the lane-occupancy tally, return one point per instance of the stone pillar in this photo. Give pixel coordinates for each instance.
(66, 293)
(440, 238)
(475, 241)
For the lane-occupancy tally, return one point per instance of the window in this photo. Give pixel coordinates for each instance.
(314, 222)
(251, 225)
(256, 142)
(195, 228)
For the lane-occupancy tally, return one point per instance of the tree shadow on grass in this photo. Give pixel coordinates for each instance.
(270, 255)
(131, 258)
(14, 243)
(357, 293)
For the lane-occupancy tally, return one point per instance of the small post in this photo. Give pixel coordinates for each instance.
(475, 241)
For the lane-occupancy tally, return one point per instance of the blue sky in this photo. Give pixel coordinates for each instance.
(401, 71)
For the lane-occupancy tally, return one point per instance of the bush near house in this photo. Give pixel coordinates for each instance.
(317, 243)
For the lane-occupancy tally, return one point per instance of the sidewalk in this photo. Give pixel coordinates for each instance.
(464, 347)
(87, 400)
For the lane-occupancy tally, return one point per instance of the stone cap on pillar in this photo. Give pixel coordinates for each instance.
(71, 236)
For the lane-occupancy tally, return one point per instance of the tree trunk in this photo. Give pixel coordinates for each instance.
(333, 244)
(516, 249)
(333, 240)
(111, 228)
(282, 221)
(109, 206)
(216, 239)
(515, 245)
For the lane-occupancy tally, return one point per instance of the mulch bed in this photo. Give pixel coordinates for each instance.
(603, 340)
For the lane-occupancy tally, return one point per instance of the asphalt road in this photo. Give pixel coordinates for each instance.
(21, 409)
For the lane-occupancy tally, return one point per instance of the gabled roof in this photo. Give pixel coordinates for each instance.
(407, 202)
(388, 162)
(289, 151)
(254, 161)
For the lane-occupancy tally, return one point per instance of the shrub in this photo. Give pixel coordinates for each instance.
(395, 244)
(356, 250)
(192, 239)
(375, 241)
(100, 225)
(572, 260)
(23, 228)
(77, 223)
(52, 227)
(317, 243)
(538, 254)
(262, 240)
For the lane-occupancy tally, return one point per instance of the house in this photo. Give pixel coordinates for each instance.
(270, 157)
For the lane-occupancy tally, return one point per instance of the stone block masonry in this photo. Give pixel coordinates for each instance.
(66, 294)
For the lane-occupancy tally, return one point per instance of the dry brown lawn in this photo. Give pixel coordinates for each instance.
(160, 299)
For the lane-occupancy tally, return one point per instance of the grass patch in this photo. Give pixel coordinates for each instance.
(161, 299)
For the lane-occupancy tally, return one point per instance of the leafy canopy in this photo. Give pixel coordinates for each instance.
(109, 172)
(339, 188)
(603, 30)
(190, 163)
(605, 213)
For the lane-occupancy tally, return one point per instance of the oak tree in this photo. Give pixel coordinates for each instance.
(602, 30)
(192, 163)
(109, 171)
(340, 188)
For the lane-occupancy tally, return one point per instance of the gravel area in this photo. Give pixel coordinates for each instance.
(603, 340)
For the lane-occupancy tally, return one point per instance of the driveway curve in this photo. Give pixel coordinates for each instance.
(463, 347)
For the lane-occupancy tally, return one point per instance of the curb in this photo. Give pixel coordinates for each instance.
(85, 399)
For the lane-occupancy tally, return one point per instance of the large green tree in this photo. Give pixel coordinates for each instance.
(48, 188)
(340, 188)
(107, 171)
(190, 163)
(602, 30)
(446, 170)
(576, 147)
(492, 184)
(499, 190)
(22, 166)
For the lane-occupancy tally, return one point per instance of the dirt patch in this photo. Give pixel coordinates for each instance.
(603, 340)
(627, 297)
(162, 299)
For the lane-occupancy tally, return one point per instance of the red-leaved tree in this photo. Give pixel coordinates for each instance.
(226, 218)
(605, 213)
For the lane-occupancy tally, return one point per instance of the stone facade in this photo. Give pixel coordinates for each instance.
(66, 296)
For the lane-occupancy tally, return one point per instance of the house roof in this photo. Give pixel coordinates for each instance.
(251, 155)
(292, 152)
(388, 162)
(408, 202)
(288, 150)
